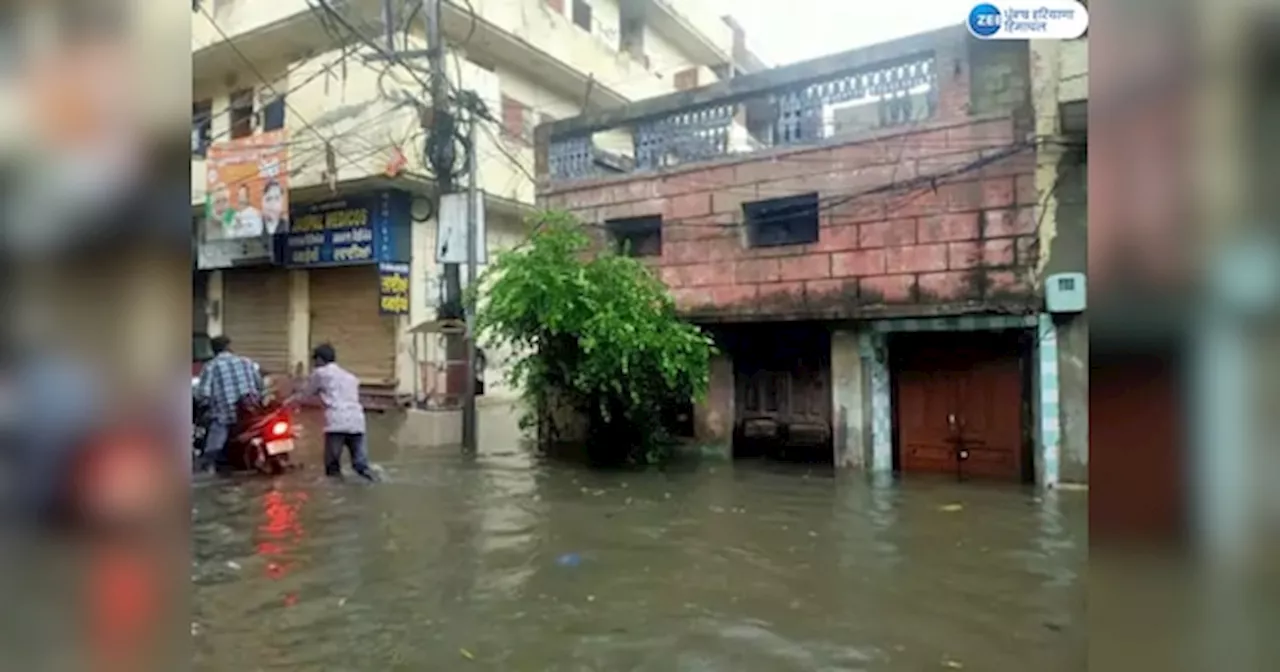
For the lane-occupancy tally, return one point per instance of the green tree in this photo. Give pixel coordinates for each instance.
(594, 332)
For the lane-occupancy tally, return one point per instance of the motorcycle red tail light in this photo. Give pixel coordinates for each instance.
(279, 428)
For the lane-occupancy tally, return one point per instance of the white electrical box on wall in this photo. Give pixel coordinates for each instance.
(1065, 293)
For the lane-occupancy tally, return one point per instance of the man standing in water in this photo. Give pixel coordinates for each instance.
(224, 381)
(344, 421)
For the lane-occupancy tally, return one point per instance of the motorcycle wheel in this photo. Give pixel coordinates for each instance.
(276, 465)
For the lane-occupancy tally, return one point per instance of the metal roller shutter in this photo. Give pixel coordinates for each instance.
(256, 316)
(344, 313)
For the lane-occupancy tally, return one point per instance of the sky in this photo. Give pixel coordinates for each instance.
(786, 31)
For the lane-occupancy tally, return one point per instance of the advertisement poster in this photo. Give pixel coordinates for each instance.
(248, 187)
(393, 288)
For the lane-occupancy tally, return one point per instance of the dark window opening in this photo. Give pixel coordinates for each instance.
(516, 119)
(637, 236)
(201, 127)
(782, 221)
(631, 35)
(242, 113)
(582, 15)
(273, 114)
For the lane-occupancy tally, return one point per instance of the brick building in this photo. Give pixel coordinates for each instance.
(861, 234)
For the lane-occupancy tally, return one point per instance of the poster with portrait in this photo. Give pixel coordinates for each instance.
(248, 187)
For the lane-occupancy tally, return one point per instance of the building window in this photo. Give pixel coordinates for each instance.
(517, 119)
(273, 114)
(201, 127)
(637, 236)
(686, 79)
(631, 34)
(242, 113)
(782, 221)
(582, 15)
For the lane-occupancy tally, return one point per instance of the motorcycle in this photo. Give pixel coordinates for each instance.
(261, 441)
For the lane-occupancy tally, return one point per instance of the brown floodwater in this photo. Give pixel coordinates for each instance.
(505, 561)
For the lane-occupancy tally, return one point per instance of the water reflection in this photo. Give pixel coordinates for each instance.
(711, 567)
(281, 532)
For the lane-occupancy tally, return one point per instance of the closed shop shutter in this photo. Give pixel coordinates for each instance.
(200, 302)
(344, 313)
(256, 316)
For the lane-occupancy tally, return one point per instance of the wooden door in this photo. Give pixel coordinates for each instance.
(989, 411)
(959, 405)
(925, 378)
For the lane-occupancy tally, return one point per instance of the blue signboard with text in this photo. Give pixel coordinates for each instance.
(350, 231)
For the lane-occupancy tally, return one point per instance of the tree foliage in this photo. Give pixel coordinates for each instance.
(596, 332)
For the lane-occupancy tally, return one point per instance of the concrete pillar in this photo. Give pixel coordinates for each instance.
(406, 362)
(848, 422)
(1047, 397)
(422, 351)
(877, 404)
(1073, 390)
(299, 321)
(715, 416)
(215, 303)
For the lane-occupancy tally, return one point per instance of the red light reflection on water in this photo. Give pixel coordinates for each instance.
(281, 531)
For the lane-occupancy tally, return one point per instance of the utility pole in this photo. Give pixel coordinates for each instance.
(441, 141)
(469, 434)
(442, 154)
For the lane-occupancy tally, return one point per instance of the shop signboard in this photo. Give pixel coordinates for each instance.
(362, 229)
(393, 288)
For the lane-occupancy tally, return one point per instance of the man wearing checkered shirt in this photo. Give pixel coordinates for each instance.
(224, 381)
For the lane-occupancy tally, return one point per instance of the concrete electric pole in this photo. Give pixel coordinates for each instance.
(459, 348)
(441, 144)
(469, 434)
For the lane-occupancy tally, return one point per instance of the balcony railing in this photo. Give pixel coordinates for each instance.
(808, 103)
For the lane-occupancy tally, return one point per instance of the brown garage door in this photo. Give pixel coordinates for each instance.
(256, 315)
(959, 404)
(344, 313)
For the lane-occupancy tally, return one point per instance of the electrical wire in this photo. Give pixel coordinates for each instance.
(393, 58)
(325, 69)
(370, 147)
(830, 201)
(417, 7)
(270, 87)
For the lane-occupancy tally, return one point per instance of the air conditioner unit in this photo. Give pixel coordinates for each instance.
(1065, 293)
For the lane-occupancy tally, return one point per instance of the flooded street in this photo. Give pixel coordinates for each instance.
(506, 562)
